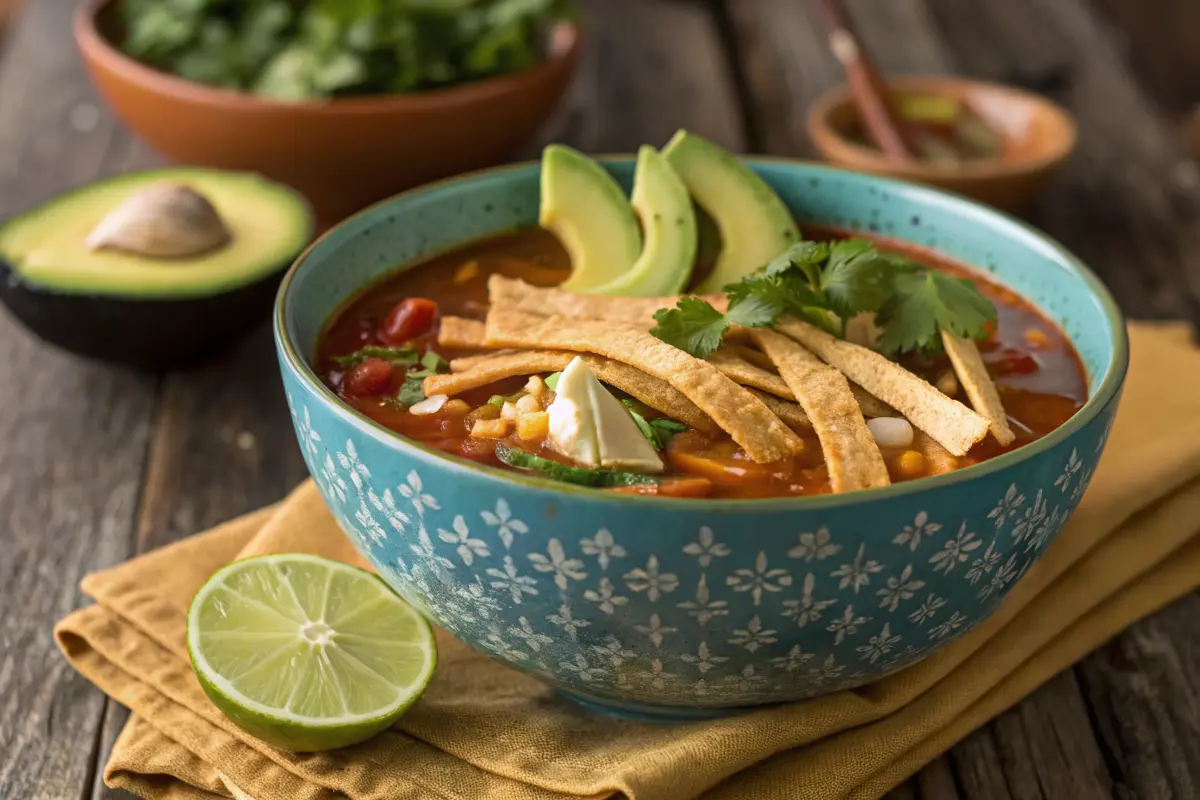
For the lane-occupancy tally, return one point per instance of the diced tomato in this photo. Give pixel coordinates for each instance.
(409, 319)
(1014, 362)
(371, 378)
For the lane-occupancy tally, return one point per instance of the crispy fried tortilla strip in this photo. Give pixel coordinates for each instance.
(495, 367)
(948, 421)
(656, 393)
(743, 416)
(756, 357)
(461, 333)
(464, 363)
(741, 371)
(937, 458)
(977, 383)
(511, 294)
(853, 458)
(792, 415)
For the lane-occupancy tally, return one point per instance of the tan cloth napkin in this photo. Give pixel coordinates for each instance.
(484, 731)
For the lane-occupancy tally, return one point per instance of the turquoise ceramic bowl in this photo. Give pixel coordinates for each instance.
(681, 608)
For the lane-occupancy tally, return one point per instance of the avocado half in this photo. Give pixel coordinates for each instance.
(151, 312)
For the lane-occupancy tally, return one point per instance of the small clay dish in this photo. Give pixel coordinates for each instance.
(1038, 138)
(343, 154)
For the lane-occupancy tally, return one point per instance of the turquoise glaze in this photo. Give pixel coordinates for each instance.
(676, 609)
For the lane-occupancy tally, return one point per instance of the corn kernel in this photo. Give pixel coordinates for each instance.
(528, 403)
(508, 411)
(535, 425)
(910, 464)
(466, 272)
(456, 407)
(489, 429)
(947, 383)
(1037, 339)
(536, 386)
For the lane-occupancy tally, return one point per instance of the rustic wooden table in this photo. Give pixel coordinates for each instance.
(98, 463)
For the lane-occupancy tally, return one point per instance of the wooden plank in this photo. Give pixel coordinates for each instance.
(1129, 202)
(648, 68)
(75, 433)
(1163, 42)
(1143, 690)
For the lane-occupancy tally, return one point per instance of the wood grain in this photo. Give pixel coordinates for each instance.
(74, 434)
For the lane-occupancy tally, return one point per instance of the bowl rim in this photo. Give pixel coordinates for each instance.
(1106, 392)
(995, 169)
(96, 47)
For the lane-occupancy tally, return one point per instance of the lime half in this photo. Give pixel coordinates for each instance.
(307, 653)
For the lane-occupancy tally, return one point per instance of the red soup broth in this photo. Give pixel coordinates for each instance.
(1039, 375)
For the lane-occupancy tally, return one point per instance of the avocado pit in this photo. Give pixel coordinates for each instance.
(166, 219)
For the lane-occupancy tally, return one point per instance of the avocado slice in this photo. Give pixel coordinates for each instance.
(586, 209)
(150, 311)
(668, 221)
(754, 224)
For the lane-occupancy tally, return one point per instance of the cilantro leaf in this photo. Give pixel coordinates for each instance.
(693, 326)
(398, 356)
(552, 381)
(434, 362)
(857, 278)
(807, 256)
(411, 391)
(922, 303)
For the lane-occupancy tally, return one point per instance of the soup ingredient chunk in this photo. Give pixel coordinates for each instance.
(593, 429)
(851, 454)
(580, 476)
(978, 384)
(410, 318)
(754, 224)
(669, 226)
(586, 209)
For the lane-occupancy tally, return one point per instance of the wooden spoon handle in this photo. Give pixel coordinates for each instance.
(883, 125)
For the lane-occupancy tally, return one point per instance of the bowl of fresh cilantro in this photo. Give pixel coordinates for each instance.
(348, 102)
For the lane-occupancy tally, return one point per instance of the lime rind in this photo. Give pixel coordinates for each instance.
(251, 634)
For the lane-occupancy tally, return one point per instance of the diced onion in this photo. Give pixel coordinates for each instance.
(891, 431)
(430, 405)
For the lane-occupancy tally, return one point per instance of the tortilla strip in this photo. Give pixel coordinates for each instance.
(461, 333)
(792, 415)
(851, 454)
(755, 357)
(740, 414)
(657, 394)
(937, 458)
(511, 294)
(742, 371)
(464, 363)
(948, 421)
(978, 384)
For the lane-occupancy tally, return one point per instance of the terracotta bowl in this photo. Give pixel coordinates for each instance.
(342, 154)
(1039, 136)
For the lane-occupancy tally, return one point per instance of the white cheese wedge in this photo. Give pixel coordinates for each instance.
(592, 428)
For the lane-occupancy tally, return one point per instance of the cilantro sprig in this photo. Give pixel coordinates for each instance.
(827, 284)
(412, 391)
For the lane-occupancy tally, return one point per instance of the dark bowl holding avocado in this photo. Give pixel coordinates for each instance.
(153, 268)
